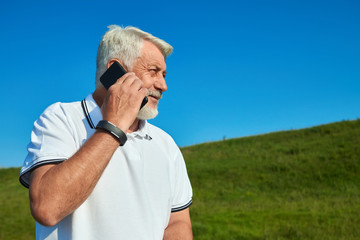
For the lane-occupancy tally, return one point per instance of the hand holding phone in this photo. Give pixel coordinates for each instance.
(112, 74)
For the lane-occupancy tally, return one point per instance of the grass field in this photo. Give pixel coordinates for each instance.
(301, 184)
(15, 218)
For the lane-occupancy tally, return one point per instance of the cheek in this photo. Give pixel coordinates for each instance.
(147, 80)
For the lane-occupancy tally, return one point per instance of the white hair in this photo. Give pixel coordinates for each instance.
(125, 44)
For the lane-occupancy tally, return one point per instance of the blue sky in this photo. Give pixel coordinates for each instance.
(239, 68)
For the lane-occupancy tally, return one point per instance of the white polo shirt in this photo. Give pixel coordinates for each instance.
(145, 180)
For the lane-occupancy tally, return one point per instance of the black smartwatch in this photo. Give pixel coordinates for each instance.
(113, 130)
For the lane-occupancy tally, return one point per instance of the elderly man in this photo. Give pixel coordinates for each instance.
(87, 183)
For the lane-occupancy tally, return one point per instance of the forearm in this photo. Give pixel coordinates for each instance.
(178, 230)
(60, 189)
(179, 226)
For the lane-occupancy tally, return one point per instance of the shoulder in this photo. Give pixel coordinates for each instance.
(61, 118)
(63, 108)
(66, 112)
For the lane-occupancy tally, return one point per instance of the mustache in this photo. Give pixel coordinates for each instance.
(157, 94)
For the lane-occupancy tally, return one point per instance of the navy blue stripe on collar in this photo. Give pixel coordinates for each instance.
(87, 115)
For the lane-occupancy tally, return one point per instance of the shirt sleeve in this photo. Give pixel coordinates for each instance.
(182, 198)
(51, 141)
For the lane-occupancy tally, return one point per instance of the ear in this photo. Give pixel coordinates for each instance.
(111, 61)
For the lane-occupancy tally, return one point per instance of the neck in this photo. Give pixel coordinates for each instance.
(99, 95)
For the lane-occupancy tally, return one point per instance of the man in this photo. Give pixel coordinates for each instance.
(85, 182)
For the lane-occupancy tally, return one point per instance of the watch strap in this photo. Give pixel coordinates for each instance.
(113, 130)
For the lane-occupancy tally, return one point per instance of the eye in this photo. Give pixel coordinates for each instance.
(153, 70)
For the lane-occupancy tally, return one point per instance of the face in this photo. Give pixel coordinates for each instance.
(150, 67)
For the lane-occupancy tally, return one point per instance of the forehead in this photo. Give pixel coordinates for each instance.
(152, 55)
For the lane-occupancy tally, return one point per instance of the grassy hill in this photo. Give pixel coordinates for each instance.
(301, 184)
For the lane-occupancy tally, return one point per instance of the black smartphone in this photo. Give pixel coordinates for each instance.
(112, 74)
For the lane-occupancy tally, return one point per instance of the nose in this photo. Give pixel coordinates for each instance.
(160, 84)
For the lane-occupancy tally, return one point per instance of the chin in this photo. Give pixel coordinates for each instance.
(147, 112)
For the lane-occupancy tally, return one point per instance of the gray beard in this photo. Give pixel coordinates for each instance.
(147, 113)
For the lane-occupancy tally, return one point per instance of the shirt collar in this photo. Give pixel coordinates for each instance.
(93, 115)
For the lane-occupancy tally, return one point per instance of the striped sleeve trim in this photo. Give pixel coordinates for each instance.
(25, 176)
(177, 209)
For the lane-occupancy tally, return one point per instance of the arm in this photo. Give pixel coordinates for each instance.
(179, 226)
(57, 190)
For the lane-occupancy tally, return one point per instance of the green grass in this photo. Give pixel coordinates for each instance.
(16, 222)
(301, 184)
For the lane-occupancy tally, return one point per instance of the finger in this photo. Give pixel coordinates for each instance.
(143, 92)
(133, 82)
(126, 77)
(136, 85)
